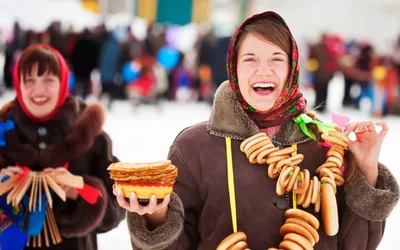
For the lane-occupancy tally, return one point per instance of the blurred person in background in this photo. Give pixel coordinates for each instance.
(101, 35)
(149, 46)
(206, 91)
(144, 88)
(181, 81)
(218, 67)
(347, 63)
(396, 55)
(385, 79)
(13, 47)
(70, 41)
(205, 58)
(131, 48)
(109, 68)
(324, 73)
(57, 37)
(84, 59)
(363, 72)
(32, 37)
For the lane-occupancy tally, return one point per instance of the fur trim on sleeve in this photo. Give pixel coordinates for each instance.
(79, 218)
(374, 204)
(5, 110)
(164, 235)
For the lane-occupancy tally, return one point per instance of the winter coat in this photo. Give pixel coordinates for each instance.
(199, 215)
(73, 136)
(109, 60)
(84, 57)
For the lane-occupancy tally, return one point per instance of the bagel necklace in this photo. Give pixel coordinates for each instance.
(300, 228)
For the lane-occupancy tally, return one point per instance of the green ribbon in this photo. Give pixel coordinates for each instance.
(304, 119)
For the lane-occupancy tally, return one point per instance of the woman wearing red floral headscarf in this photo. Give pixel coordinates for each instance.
(262, 161)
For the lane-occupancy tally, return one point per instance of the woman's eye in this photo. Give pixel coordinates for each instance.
(278, 59)
(248, 60)
(49, 80)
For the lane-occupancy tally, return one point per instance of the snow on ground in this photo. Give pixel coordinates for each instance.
(146, 134)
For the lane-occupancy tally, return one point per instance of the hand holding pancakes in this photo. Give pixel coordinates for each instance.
(147, 185)
(133, 205)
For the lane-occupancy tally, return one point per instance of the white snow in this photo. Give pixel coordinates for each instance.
(145, 135)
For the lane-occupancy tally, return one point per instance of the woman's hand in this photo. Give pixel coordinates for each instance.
(10, 171)
(156, 214)
(367, 146)
(70, 192)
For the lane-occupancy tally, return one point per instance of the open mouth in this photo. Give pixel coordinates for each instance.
(264, 88)
(40, 100)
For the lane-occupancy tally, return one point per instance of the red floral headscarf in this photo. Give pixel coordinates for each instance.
(62, 96)
(290, 102)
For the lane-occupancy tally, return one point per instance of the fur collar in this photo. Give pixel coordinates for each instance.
(78, 123)
(228, 119)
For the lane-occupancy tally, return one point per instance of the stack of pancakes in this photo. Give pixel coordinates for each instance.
(144, 179)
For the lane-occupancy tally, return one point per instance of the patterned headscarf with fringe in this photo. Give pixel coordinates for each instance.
(290, 102)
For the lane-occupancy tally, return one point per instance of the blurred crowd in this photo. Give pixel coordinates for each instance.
(117, 65)
(368, 75)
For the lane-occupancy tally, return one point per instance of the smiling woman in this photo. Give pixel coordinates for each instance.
(262, 67)
(40, 75)
(45, 131)
(260, 154)
(41, 82)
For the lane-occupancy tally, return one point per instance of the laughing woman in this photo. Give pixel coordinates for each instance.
(44, 130)
(263, 143)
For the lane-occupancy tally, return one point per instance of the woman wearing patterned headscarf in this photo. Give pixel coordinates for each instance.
(262, 161)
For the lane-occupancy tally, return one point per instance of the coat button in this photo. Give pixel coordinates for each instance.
(42, 131)
(281, 202)
(42, 145)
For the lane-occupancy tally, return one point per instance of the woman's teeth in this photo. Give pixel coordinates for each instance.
(40, 99)
(264, 87)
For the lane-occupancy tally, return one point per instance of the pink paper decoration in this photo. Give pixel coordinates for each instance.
(340, 120)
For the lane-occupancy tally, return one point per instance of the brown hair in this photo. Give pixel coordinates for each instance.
(270, 28)
(46, 60)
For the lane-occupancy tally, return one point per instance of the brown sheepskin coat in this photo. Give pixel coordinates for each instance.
(199, 214)
(75, 136)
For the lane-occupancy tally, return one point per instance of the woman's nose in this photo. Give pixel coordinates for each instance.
(39, 85)
(264, 68)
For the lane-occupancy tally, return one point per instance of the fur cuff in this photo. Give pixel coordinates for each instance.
(374, 204)
(79, 218)
(164, 235)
